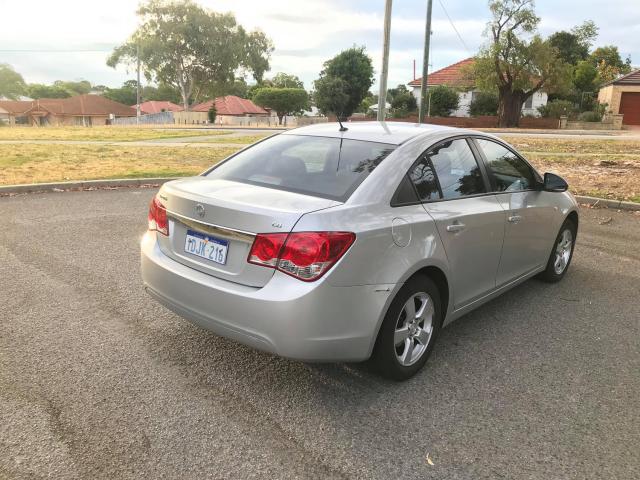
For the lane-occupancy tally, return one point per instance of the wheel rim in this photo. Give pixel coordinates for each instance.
(563, 251)
(414, 328)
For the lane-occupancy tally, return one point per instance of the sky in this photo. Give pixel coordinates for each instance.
(47, 40)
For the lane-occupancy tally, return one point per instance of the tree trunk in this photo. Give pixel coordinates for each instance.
(510, 107)
(280, 115)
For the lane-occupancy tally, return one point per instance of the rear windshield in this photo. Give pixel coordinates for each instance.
(318, 166)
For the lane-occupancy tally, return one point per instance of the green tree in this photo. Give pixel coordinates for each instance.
(332, 96)
(610, 55)
(574, 46)
(81, 87)
(39, 90)
(403, 103)
(517, 60)
(584, 76)
(162, 93)
(212, 113)
(190, 48)
(442, 101)
(285, 80)
(484, 103)
(126, 94)
(11, 82)
(284, 101)
(355, 70)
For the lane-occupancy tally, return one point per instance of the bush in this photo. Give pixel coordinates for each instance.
(557, 109)
(444, 100)
(590, 117)
(484, 104)
(212, 114)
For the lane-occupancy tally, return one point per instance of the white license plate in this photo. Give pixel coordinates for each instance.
(204, 246)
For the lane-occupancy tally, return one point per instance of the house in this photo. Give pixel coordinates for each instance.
(454, 76)
(155, 106)
(81, 110)
(623, 97)
(232, 106)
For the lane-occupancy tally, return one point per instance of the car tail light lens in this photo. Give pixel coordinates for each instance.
(303, 255)
(158, 217)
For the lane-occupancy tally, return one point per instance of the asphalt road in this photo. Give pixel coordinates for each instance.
(98, 381)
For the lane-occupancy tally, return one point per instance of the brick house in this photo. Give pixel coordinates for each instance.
(623, 97)
(454, 76)
(232, 106)
(155, 106)
(81, 110)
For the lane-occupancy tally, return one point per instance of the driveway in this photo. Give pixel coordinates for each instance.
(99, 381)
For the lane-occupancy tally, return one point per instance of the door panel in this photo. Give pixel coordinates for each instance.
(472, 231)
(528, 233)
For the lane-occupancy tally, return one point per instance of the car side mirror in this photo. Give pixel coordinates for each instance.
(554, 183)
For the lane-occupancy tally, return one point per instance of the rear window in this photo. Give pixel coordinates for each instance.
(318, 166)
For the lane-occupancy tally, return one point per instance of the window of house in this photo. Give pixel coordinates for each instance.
(528, 104)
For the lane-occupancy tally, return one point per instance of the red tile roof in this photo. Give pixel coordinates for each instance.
(452, 76)
(632, 78)
(157, 106)
(80, 105)
(231, 105)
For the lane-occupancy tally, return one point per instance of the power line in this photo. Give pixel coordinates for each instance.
(454, 27)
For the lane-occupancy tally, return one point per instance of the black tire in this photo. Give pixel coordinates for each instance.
(550, 275)
(385, 356)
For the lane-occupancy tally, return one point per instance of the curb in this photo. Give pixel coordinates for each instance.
(82, 185)
(157, 181)
(608, 203)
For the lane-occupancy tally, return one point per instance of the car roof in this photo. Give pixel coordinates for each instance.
(383, 132)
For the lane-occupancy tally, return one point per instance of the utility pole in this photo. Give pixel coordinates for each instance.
(138, 88)
(382, 95)
(425, 65)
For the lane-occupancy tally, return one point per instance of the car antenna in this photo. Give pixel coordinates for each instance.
(342, 127)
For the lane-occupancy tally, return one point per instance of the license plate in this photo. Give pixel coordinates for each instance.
(204, 246)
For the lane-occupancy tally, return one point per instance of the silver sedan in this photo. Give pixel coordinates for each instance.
(320, 244)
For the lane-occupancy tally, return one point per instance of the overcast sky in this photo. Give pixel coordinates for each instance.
(305, 32)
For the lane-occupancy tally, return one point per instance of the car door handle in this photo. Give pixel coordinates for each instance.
(456, 227)
(514, 218)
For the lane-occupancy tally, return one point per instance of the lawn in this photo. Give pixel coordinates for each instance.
(36, 163)
(600, 168)
(109, 134)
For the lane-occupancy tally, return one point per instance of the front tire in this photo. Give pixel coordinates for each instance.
(409, 330)
(562, 253)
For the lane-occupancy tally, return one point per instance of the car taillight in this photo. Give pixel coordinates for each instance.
(158, 217)
(303, 255)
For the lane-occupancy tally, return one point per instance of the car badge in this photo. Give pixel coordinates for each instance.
(200, 210)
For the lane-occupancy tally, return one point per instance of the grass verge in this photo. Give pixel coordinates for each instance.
(113, 134)
(33, 163)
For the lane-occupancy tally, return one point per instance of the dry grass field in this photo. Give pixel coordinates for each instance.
(36, 163)
(111, 134)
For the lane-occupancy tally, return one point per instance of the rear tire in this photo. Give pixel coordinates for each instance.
(409, 330)
(561, 254)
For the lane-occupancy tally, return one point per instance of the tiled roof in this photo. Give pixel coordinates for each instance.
(231, 105)
(79, 105)
(632, 78)
(452, 76)
(157, 106)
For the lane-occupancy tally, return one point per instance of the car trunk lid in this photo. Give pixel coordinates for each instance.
(228, 213)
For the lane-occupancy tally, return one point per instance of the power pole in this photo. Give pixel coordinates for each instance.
(138, 88)
(425, 65)
(382, 95)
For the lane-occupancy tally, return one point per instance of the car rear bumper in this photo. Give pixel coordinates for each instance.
(305, 321)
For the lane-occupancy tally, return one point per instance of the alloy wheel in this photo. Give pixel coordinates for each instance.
(414, 328)
(563, 251)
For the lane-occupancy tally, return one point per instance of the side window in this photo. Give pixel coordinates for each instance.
(423, 177)
(510, 172)
(457, 170)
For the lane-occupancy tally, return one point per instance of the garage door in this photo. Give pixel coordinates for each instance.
(630, 108)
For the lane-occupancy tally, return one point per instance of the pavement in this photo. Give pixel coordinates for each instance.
(98, 381)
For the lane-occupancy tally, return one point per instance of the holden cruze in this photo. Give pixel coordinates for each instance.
(323, 244)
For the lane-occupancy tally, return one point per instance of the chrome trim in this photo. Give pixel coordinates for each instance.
(210, 228)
